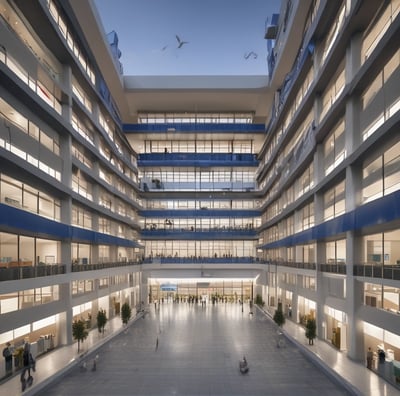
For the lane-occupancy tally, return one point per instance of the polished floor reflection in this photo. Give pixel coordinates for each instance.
(182, 349)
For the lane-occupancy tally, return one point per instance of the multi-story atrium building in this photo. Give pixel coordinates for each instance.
(282, 188)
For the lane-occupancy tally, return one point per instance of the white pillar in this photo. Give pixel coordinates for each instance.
(354, 300)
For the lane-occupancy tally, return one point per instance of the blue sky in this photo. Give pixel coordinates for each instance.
(219, 34)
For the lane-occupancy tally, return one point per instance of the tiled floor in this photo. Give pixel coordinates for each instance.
(197, 353)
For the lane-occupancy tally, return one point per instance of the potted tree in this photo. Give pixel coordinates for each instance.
(126, 313)
(311, 330)
(101, 320)
(279, 318)
(79, 331)
(259, 301)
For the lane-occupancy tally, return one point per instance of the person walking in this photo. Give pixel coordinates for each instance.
(29, 363)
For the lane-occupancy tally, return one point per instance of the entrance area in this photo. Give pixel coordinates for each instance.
(199, 290)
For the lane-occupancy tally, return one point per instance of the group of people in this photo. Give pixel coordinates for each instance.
(370, 357)
(28, 363)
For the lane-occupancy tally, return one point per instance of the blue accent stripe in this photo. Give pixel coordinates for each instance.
(380, 211)
(191, 127)
(198, 164)
(237, 235)
(193, 213)
(26, 223)
(197, 159)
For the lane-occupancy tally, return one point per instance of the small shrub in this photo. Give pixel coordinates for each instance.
(101, 320)
(311, 330)
(126, 313)
(79, 331)
(259, 301)
(279, 318)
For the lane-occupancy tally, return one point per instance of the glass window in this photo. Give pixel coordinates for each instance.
(391, 253)
(27, 250)
(334, 148)
(8, 249)
(336, 252)
(372, 180)
(334, 32)
(11, 191)
(334, 201)
(373, 248)
(48, 251)
(333, 91)
(391, 299)
(377, 30)
(391, 163)
(381, 99)
(373, 295)
(80, 253)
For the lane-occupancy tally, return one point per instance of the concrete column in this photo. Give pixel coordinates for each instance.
(95, 308)
(113, 253)
(96, 187)
(320, 259)
(66, 155)
(95, 115)
(94, 249)
(352, 115)
(64, 323)
(66, 79)
(295, 298)
(66, 255)
(319, 164)
(354, 289)
(319, 207)
(354, 300)
(353, 194)
(143, 287)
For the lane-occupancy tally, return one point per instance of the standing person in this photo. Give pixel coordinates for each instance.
(7, 353)
(370, 356)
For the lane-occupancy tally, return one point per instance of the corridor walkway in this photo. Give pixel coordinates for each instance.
(181, 349)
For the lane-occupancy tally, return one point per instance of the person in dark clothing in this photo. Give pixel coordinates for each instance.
(27, 358)
(7, 353)
(29, 362)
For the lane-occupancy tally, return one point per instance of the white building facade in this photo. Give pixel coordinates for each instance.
(283, 186)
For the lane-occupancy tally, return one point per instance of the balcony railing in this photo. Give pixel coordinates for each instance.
(201, 260)
(99, 266)
(291, 264)
(26, 272)
(333, 268)
(201, 234)
(377, 271)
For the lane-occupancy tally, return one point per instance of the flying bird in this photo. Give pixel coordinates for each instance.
(164, 48)
(180, 42)
(250, 54)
